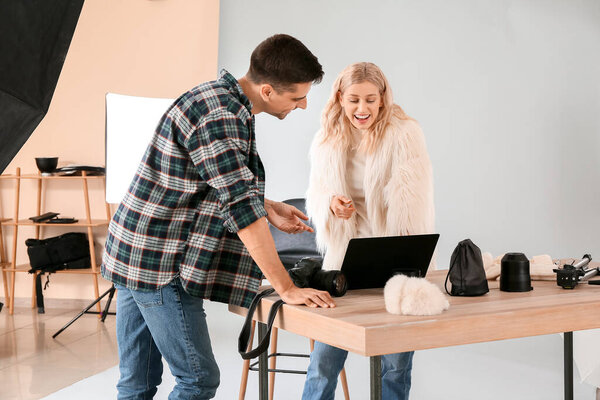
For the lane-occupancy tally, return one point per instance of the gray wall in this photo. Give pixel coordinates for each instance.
(507, 93)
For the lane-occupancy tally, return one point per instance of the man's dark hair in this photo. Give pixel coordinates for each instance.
(281, 61)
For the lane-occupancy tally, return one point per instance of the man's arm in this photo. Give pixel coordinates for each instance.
(259, 242)
(221, 163)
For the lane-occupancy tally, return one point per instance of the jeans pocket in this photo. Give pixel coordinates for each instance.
(148, 299)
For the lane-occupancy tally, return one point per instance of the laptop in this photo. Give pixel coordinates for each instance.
(370, 262)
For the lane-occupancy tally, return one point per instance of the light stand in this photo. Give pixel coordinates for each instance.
(110, 292)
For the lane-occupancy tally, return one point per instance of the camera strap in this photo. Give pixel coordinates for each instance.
(244, 338)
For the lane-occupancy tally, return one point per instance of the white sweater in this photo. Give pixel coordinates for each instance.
(355, 175)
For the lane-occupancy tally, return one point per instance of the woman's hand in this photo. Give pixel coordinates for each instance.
(307, 296)
(342, 207)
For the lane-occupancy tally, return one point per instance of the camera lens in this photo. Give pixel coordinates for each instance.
(333, 282)
(340, 285)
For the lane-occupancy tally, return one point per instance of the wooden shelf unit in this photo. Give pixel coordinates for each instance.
(87, 222)
(27, 222)
(4, 264)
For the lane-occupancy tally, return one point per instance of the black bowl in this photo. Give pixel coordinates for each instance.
(46, 164)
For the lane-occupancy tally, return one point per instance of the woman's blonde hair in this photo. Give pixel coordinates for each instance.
(336, 128)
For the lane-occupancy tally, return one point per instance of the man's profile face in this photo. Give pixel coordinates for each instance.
(280, 104)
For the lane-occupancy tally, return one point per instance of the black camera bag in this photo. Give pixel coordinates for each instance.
(466, 272)
(68, 251)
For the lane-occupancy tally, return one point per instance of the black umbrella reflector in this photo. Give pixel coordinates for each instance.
(34, 39)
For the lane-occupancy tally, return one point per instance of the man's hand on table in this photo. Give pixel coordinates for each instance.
(307, 296)
(259, 242)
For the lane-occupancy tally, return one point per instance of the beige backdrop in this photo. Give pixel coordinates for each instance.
(144, 48)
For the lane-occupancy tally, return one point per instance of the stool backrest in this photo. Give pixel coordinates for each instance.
(293, 247)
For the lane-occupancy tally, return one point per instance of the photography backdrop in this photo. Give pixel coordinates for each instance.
(508, 95)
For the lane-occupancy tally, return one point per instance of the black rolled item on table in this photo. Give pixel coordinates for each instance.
(514, 273)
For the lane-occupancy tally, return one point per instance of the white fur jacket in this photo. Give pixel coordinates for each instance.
(398, 186)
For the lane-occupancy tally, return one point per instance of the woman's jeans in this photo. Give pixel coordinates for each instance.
(326, 362)
(170, 323)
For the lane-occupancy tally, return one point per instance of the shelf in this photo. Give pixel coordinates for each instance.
(35, 176)
(27, 222)
(93, 270)
(27, 267)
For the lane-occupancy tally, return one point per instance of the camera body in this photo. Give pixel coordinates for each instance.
(569, 276)
(308, 273)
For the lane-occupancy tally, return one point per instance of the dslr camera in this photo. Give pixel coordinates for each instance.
(308, 273)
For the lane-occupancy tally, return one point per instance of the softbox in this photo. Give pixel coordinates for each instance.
(34, 39)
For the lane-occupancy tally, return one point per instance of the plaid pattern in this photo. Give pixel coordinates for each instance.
(200, 181)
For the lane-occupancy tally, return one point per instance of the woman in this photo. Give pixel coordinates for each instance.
(370, 176)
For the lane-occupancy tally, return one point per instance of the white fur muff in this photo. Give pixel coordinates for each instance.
(413, 296)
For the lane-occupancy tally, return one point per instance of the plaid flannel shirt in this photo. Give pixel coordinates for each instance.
(200, 181)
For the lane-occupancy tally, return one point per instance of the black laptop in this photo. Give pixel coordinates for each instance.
(370, 262)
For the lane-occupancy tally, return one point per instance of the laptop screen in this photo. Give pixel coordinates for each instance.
(370, 262)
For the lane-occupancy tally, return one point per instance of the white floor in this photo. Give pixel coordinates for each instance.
(528, 368)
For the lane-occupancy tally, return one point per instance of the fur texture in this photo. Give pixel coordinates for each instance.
(398, 186)
(413, 296)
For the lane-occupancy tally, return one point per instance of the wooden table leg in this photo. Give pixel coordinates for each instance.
(375, 362)
(263, 369)
(568, 358)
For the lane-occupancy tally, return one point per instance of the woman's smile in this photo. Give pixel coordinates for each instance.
(361, 103)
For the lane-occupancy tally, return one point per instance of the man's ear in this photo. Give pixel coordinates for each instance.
(266, 91)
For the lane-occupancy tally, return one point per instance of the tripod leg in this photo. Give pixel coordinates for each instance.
(81, 313)
(110, 297)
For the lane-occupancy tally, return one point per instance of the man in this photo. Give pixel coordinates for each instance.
(195, 218)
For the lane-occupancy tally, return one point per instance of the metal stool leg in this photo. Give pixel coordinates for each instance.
(263, 368)
(247, 366)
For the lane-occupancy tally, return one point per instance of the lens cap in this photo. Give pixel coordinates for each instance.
(514, 273)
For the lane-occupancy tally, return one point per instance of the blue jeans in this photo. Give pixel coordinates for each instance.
(326, 362)
(165, 323)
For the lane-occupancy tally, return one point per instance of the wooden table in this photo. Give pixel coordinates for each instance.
(361, 324)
